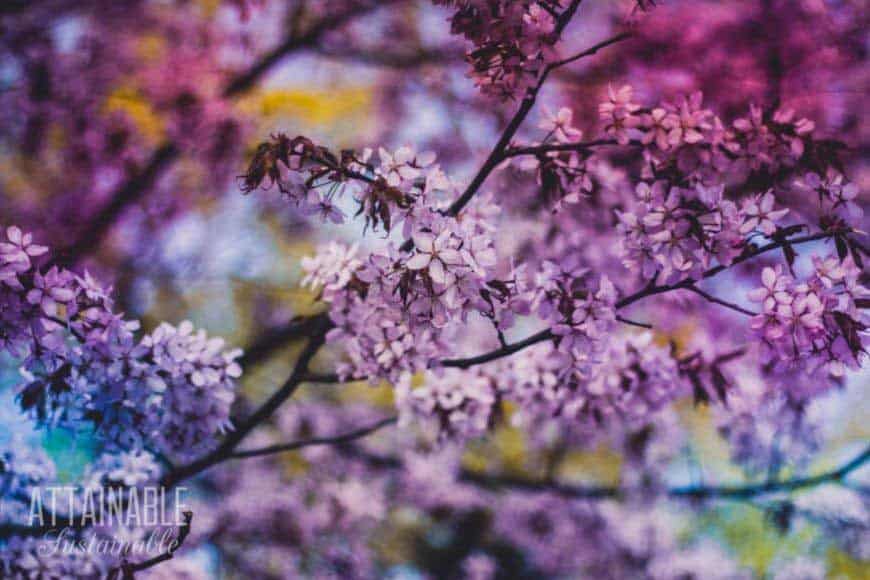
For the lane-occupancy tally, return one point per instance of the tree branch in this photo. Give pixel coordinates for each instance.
(400, 61)
(128, 193)
(710, 298)
(591, 50)
(294, 43)
(737, 492)
(749, 491)
(497, 155)
(266, 410)
(335, 440)
(545, 148)
(624, 320)
(652, 290)
(273, 340)
(649, 290)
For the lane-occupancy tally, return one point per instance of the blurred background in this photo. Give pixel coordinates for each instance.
(124, 125)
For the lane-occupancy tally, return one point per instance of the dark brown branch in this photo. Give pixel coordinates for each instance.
(710, 298)
(307, 40)
(582, 147)
(264, 412)
(335, 440)
(130, 192)
(737, 492)
(624, 320)
(543, 149)
(400, 61)
(502, 352)
(591, 50)
(497, 155)
(273, 340)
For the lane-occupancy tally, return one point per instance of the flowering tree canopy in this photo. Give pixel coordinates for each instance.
(531, 288)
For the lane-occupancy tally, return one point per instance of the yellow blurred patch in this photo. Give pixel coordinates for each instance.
(600, 465)
(151, 47)
(209, 7)
(681, 336)
(756, 542)
(130, 101)
(314, 107)
(843, 566)
(506, 443)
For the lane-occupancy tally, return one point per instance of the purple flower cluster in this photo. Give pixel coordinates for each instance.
(459, 404)
(513, 41)
(817, 322)
(628, 383)
(21, 468)
(679, 232)
(392, 309)
(82, 363)
(580, 312)
(194, 378)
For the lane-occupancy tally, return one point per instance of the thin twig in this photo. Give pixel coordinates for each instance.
(335, 440)
(710, 298)
(624, 320)
(497, 155)
(591, 50)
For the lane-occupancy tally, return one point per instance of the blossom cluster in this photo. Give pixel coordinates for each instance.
(21, 468)
(632, 380)
(513, 41)
(772, 429)
(82, 362)
(580, 314)
(691, 140)
(392, 313)
(459, 404)
(678, 232)
(392, 307)
(22, 557)
(127, 469)
(313, 525)
(816, 322)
